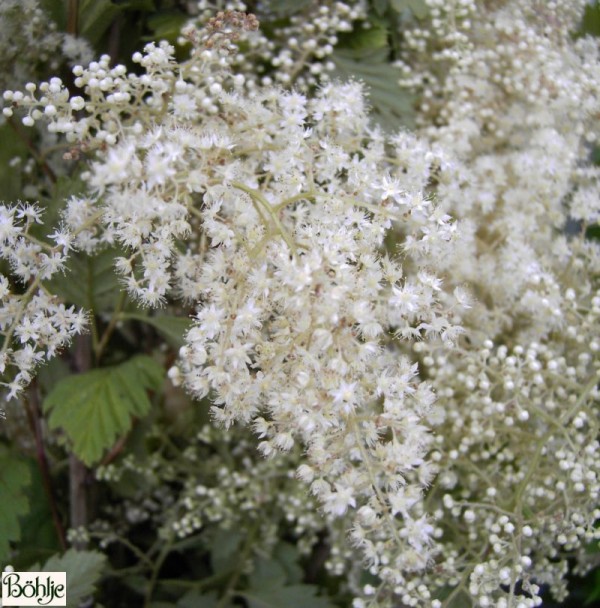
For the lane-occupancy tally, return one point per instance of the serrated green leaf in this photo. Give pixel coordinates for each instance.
(392, 106)
(90, 281)
(96, 407)
(83, 569)
(171, 327)
(14, 479)
(417, 7)
(294, 596)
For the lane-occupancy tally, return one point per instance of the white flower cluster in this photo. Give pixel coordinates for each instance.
(298, 304)
(33, 323)
(520, 402)
(270, 210)
(297, 52)
(28, 38)
(229, 493)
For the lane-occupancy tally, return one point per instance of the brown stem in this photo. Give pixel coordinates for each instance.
(99, 348)
(73, 18)
(78, 474)
(32, 149)
(77, 497)
(114, 451)
(114, 37)
(32, 405)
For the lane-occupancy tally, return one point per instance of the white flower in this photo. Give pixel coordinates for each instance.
(337, 502)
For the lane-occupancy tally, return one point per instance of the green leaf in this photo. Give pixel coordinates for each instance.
(54, 202)
(591, 20)
(380, 6)
(366, 40)
(166, 25)
(593, 594)
(136, 5)
(38, 534)
(96, 407)
(286, 8)
(268, 580)
(287, 555)
(171, 327)
(11, 186)
(137, 583)
(83, 569)
(195, 599)
(392, 106)
(267, 573)
(90, 282)
(14, 480)
(57, 11)
(224, 549)
(295, 596)
(95, 17)
(283, 569)
(593, 233)
(418, 7)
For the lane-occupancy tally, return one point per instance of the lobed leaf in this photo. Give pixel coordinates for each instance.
(90, 282)
(96, 407)
(83, 569)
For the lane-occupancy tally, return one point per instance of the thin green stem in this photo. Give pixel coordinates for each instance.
(126, 543)
(293, 199)
(245, 552)
(260, 201)
(162, 556)
(374, 209)
(542, 444)
(99, 349)
(367, 460)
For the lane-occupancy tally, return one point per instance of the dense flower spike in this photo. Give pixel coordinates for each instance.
(297, 304)
(519, 430)
(283, 203)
